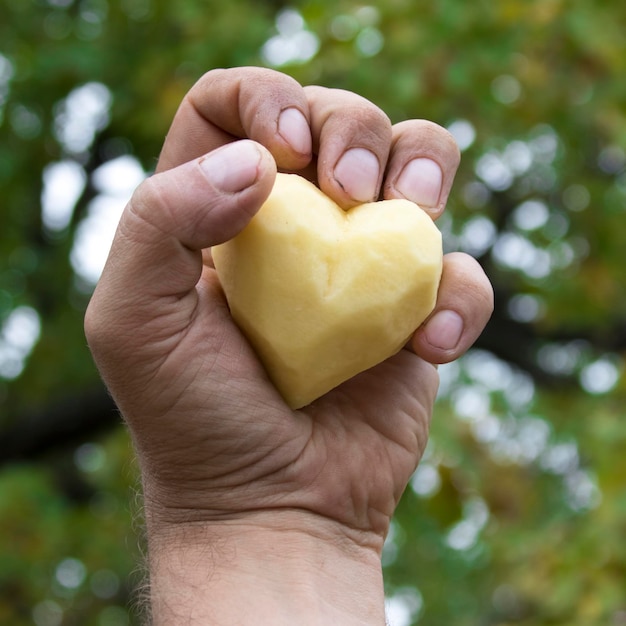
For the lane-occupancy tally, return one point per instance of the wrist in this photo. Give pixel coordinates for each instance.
(278, 567)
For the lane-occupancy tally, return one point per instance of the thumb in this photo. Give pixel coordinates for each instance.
(156, 260)
(152, 323)
(175, 214)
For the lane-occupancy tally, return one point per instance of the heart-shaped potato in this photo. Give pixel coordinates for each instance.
(322, 293)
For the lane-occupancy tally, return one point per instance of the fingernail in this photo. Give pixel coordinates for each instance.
(233, 167)
(420, 181)
(444, 330)
(294, 129)
(357, 173)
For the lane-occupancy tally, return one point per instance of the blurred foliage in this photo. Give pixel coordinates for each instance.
(69, 554)
(518, 511)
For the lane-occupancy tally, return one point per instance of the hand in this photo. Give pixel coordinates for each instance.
(220, 452)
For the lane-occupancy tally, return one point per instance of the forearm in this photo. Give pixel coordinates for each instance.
(251, 572)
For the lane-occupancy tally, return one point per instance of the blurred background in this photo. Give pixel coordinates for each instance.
(517, 515)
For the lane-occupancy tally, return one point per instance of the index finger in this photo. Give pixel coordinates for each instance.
(249, 102)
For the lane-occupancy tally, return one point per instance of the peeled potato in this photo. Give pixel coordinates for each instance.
(322, 293)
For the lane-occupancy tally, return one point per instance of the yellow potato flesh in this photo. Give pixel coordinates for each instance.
(322, 293)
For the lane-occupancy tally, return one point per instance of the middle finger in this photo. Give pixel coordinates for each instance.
(352, 138)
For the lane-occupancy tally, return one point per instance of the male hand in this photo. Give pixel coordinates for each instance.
(220, 452)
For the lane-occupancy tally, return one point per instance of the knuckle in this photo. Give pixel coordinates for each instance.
(469, 276)
(429, 136)
(146, 210)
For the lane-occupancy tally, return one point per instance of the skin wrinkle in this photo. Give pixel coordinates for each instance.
(222, 482)
(361, 128)
(155, 370)
(352, 436)
(200, 95)
(367, 141)
(281, 520)
(218, 136)
(234, 472)
(283, 470)
(158, 194)
(134, 225)
(240, 132)
(292, 523)
(133, 229)
(221, 488)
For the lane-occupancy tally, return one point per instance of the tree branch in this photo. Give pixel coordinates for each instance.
(64, 424)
